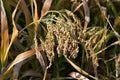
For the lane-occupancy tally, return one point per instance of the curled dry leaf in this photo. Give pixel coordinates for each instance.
(17, 67)
(14, 34)
(20, 58)
(77, 7)
(46, 7)
(4, 36)
(87, 13)
(28, 17)
(79, 69)
(26, 12)
(38, 54)
(36, 15)
(16, 70)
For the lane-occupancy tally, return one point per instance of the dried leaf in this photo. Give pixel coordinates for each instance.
(14, 34)
(36, 15)
(17, 68)
(41, 59)
(80, 4)
(28, 20)
(46, 7)
(114, 43)
(115, 32)
(79, 69)
(10, 2)
(38, 54)
(87, 13)
(4, 36)
(26, 12)
(15, 31)
(20, 58)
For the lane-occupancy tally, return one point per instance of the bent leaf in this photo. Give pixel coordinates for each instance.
(20, 58)
(46, 7)
(36, 16)
(4, 36)
(79, 69)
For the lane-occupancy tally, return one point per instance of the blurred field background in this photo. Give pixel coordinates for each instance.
(60, 40)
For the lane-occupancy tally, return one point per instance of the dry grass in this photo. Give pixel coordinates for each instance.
(44, 40)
